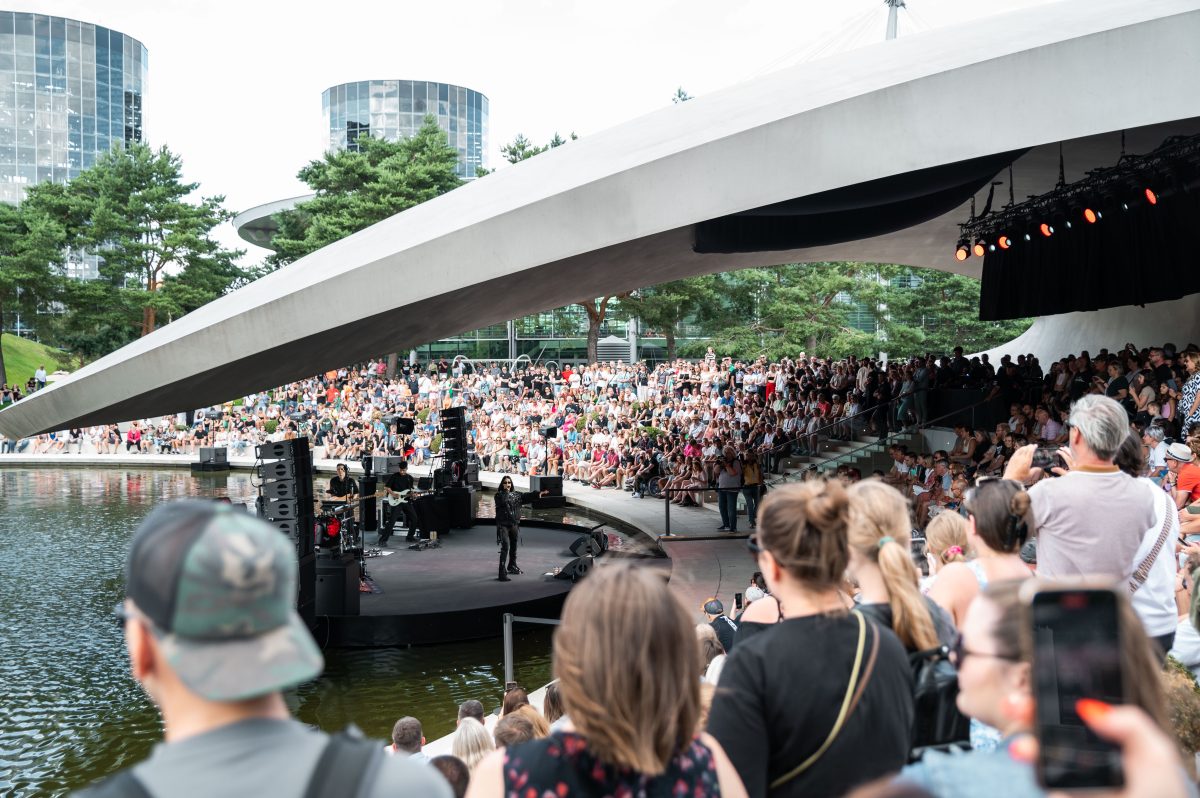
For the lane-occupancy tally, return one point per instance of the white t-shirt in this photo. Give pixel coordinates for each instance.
(1154, 601)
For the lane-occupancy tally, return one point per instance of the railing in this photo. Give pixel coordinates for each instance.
(508, 621)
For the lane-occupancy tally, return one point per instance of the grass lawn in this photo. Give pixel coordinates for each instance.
(22, 357)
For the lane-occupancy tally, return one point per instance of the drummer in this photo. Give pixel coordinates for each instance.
(342, 486)
(398, 485)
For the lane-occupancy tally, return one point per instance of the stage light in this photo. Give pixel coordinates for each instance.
(1151, 197)
(1090, 216)
(1004, 242)
(991, 247)
(979, 248)
(1046, 230)
(961, 252)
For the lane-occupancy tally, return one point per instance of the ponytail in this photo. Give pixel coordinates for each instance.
(911, 619)
(879, 532)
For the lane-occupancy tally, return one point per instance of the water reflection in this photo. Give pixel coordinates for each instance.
(71, 713)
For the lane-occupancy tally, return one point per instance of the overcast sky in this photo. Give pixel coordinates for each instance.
(235, 88)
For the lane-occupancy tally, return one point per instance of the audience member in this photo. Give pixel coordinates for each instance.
(552, 707)
(722, 626)
(471, 742)
(632, 691)
(513, 729)
(470, 709)
(454, 771)
(790, 742)
(408, 739)
(213, 639)
(1183, 475)
(712, 653)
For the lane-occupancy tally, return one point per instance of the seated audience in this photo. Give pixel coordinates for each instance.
(471, 742)
(454, 771)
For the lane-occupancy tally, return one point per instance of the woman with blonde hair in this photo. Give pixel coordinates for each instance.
(472, 742)
(631, 691)
(945, 542)
(856, 683)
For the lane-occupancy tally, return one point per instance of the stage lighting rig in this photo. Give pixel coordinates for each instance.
(1135, 181)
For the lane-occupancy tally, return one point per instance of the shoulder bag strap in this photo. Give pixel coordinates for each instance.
(1143, 569)
(849, 701)
(343, 765)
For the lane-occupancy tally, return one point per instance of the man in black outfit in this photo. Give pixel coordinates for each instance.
(342, 486)
(725, 628)
(508, 523)
(396, 485)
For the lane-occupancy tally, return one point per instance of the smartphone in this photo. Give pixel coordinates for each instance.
(737, 600)
(1047, 457)
(1076, 636)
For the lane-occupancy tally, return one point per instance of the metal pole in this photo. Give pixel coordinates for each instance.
(667, 506)
(508, 648)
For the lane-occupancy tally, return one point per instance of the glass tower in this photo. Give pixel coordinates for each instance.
(392, 109)
(69, 90)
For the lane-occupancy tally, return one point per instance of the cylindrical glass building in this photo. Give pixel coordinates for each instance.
(69, 90)
(392, 109)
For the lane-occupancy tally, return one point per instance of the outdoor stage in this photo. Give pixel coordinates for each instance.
(452, 593)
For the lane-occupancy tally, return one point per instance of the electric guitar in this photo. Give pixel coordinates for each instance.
(395, 498)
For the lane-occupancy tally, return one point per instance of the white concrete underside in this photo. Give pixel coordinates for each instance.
(615, 211)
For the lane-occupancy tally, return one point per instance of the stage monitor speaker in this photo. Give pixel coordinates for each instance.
(214, 454)
(441, 478)
(424, 483)
(405, 426)
(337, 585)
(552, 484)
(576, 569)
(385, 465)
(586, 544)
(473, 474)
(548, 431)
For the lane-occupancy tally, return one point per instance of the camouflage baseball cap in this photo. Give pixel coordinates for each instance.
(219, 588)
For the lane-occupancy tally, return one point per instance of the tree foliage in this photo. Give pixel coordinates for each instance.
(30, 248)
(665, 306)
(357, 188)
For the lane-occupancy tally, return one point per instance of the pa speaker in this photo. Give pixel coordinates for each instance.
(548, 431)
(281, 510)
(405, 426)
(277, 469)
(281, 450)
(214, 454)
(541, 483)
(576, 569)
(586, 544)
(281, 489)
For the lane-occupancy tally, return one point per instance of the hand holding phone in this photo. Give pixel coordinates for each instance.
(1076, 635)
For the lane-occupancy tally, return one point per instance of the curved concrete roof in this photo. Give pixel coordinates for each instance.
(257, 225)
(617, 210)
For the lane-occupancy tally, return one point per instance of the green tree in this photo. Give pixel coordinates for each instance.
(680, 96)
(938, 311)
(30, 252)
(665, 306)
(133, 209)
(357, 188)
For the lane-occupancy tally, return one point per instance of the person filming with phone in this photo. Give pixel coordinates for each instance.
(1092, 518)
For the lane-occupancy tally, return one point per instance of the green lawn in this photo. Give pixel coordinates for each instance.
(22, 357)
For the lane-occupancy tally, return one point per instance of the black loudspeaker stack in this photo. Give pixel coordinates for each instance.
(368, 506)
(285, 501)
(554, 485)
(454, 436)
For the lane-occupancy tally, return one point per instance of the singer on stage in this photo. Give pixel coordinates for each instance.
(508, 523)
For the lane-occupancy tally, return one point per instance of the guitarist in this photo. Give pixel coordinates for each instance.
(397, 485)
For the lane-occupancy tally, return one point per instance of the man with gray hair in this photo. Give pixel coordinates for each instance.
(1156, 448)
(1090, 521)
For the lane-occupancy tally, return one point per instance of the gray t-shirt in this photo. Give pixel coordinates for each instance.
(1090, 523)
(728, 480)
(262, 757)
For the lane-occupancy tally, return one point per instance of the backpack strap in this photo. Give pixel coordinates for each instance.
(1143, 570)
(345, 762)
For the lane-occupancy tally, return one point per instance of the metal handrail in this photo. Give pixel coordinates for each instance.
(507, 623)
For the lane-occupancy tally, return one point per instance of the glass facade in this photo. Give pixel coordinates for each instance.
(69, 90)
(392, 109)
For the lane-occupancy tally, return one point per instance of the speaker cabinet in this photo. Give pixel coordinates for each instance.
(337, 586)
(576, 569)
(214, 454)
(586, 544)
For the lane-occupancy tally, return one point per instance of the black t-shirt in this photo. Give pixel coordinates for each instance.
(725, 628)
(400, 482)
(779, 698)
(342, 487)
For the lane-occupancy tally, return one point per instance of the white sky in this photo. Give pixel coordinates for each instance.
(235, 88)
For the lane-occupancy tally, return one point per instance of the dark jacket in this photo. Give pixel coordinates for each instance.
(508, 506)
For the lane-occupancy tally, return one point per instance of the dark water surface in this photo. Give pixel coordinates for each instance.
(70, 713)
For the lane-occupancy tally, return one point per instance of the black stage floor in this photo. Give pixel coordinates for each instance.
(451, 592)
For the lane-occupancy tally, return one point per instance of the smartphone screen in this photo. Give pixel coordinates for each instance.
(1076, 654)
(737, 600)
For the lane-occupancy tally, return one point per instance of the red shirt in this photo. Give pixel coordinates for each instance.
(1189, 481)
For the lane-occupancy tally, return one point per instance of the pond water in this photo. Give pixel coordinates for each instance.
(70, 713)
